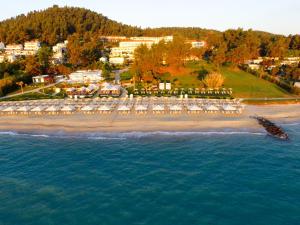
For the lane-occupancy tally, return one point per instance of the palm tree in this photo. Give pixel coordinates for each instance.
(21, 83)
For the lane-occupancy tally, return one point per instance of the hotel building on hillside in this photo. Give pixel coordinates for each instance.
(16, 49)
(197, 44)
(9, 58)
(2, 46)
(59, 52)
(13, 51)
(113, 38)
(86, 76)
(126, 48)
(31, 47)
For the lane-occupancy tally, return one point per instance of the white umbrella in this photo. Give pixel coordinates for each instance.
(52, 109)
(37, 109)
(212, 108)
(123, 108)
(141, 108)
(9, 109)
(104, 108)
(87, 108)
(68, 108)
(175, 108)
(23, 109)
(194, 108)
(229, 108)
(158, 108)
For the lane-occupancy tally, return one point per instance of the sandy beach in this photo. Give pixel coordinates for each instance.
(126, 123)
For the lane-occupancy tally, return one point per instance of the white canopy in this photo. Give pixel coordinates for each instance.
(141, 107)
(37, 109)
(87, 108)
(23, 109)
(229, 108)
(123, 108)
(68, 108)
(104, 108)
(212, 108)
(9, 109)
(194, 108)
(52, 108)
(175, 108)
(158, 108)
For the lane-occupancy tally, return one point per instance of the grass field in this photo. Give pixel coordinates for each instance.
(246, 85)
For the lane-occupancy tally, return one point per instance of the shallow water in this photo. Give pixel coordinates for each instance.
(213, 177)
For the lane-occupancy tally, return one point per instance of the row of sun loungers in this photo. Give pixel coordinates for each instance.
(122, 106)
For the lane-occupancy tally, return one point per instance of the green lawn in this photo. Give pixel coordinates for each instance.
(246, 85)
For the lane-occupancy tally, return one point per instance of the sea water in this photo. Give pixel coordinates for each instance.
(158, 178)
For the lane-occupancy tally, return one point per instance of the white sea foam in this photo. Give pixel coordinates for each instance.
(185, 133)
(13, 133)
(133, 135)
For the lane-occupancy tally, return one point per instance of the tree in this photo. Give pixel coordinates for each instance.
(218, 55)
(32, 66)
(106, 70)
(44, 56)
(214, 80)
(177, 51)
(21, 83)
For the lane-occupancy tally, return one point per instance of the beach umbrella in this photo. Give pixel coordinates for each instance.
(212, 108)
(9, 109)
(104, 108)
(141, 108)
(37, 109)
(158, 108)
(68, 108)
(52, 109)
(229, 108)
(23, 109)
(123, 108)
(87, 108)
(194, 108)
(175, 108)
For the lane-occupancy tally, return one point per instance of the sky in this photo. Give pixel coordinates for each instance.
(275, 16)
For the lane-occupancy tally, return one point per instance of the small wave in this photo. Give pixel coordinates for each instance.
(38, 135)
(133, 135)
(185, 133)
(11, 133)
(106, 138)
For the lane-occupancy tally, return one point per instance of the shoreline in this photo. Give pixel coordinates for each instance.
(82, 123)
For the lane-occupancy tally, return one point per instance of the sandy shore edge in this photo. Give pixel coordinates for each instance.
(127, 123)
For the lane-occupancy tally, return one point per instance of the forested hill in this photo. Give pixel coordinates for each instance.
(56, 24)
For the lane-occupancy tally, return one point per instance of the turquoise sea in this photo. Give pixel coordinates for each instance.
(155, 178)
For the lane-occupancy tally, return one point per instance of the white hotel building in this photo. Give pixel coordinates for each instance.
(86, 76)
(13, 51)
(126, 49)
